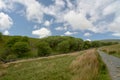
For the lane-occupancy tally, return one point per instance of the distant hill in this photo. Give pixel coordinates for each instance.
(110, 40)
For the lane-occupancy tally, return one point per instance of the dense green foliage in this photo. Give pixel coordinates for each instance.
(43, 49)
(20, 48)
(14, 47)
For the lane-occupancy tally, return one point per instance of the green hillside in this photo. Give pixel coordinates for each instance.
(19, 47)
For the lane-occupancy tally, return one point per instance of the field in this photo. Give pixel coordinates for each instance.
(113, 50)
(85, 65)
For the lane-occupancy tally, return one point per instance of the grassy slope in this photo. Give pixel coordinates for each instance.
(113, 50)
(44, 69)
(57, 68)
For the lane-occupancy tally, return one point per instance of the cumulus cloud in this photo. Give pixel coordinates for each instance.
(77, 21)
(88, 40)
(33, 10)
(68, 33)
(60, 28)
(6, 32)
(2, 4)
(82, 15)
(47, 23)
(6, 5)
(87, 34)
(5, 21)
(116, 34)
(41, 33)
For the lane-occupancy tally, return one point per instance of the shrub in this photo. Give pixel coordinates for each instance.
(112, 52)
(87, 45)
(21, 48)
(64, 47)
(25, 39)
(12, 41)
(43, 49)
(104, 50)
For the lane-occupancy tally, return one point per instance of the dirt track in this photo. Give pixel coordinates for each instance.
(33, 59)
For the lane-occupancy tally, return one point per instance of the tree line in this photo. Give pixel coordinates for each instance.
(18, 47)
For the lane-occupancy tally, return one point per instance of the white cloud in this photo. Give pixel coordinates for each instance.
(68, 33)
(87, 34)
(2, 4)
(88, 40)
(116, 34)
(47, 23)
(59, 3)
(43, 32)
(112, 8)
(77, 21)
(5, 21)
(6, 32)
(6, 5)
(82, 15)
(60, 28)
(115, 25)
(33, 10)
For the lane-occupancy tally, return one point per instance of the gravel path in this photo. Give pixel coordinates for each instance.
(113, 64)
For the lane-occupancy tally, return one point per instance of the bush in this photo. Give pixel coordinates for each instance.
(25, 39)
(12, 41)
(104, 50)
(43, 49)
(112, 52)
(64, 47)
(87, 45)
(21, 48)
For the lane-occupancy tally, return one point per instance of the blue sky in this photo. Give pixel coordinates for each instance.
(87, 19)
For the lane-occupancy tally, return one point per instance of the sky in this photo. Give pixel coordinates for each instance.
(86, 19)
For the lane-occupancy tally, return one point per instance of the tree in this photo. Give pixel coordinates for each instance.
(21, 48)
(12, 41)
(43, 49)
(96, 44)
(64, 47)
(25, 39)
(87, 45)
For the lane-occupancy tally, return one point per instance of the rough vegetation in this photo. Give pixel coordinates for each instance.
(17, 47)
(112, 50)
(89, 64)
(85, 65)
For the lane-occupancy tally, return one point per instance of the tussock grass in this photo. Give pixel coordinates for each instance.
(55, 68)
(88, 66)
(112, 50)
(85, 65)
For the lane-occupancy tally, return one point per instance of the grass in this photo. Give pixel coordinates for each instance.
(89, 66)
(84, 66)
(44, 69)
(112, 50)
